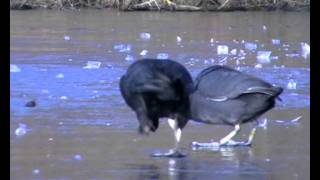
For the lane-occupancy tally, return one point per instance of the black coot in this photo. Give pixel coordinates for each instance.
(226, 96)
(158, 88)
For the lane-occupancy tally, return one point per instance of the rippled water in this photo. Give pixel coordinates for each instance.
(81, 127)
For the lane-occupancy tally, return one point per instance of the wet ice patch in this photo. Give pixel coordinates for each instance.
(162, 56)
(92, 65)
(263, 57)
(145, 36)
(222, 50)
(14, 68)
(21, 130)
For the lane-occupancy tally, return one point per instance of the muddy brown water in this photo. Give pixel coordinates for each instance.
(81, 127)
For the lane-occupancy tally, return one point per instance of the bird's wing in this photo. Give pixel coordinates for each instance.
(220, 83)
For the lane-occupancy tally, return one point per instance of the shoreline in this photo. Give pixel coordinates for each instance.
(165, 5)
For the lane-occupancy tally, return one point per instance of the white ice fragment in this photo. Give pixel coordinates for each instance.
(45, 91)
(264, 27)
(222, 50)
(50, 139)
(143, 52)
(305, 50)
(67, 38)
(21, 130)
(264, 57)
(250, 46)
(122, 47)
(292, 84)
(258, 66)
(179, 39)
(14, 68)
(92, 65)
(60, 75)
(292, 55)
(36, 171)
(108, 124)
(95, 91)
(268, 160)
(60, 123)
(162, 56)
(233, 52)
(77, 157)
(242, 53)
(70, 60)
(275, 41)
(145, 36)
(63, 97)
(129, 58)
(296, 119)
(274, 57)
(263, 123)
(211, 41)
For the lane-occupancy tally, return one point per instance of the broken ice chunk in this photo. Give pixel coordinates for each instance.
(143, 52)
(275, 41)
(14, 68)
(63, 97)
(250, 46)
(92, 65)
(145, 36)
(292, 84)
(264, 27)
(77, 157)
(162, 56)
(67, 38)
(222, 50)
(21, 130)
(305, 50)
(36, 171)
(122, 47)
(129, 58)
(233, 52)
(179, 39)
(264, 56)
(60, 75)
(258, 66)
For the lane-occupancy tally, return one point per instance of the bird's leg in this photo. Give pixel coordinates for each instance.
(177, 134)
(227, 140)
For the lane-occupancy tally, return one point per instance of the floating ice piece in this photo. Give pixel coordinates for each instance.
(14, 68)
(60, 75)
(63, 97)
(67, 38)
(295, 120)
(285, 45)
(77, 157)
(275, 41)
(211, 41)
(45, 91)
(122, 47)
(50, 139)
(108, 124)
(21, 130)
(292, 55)
(268, 160)
(258, 66)
(264, 27)
(242, 53)
(264, 57)
(222, 50)
(305, 50)
(143, 52)
(179, 39)
(129, 58)
(292, 84)
(233, 52)
(274, 57)
(70, 60)
(92, 65)
(145, 36)
(162, 56)
(36, 171)
(250, 46)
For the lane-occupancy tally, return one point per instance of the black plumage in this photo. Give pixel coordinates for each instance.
(226, 96)
(157, 88)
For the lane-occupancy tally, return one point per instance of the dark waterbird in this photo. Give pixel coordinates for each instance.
(223, 95)
(155, 89)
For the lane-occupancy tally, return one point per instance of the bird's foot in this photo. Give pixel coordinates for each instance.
(216, 145)
(236, 143)
(173, 153)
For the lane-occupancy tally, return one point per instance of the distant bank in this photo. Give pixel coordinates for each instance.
(171, 5)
